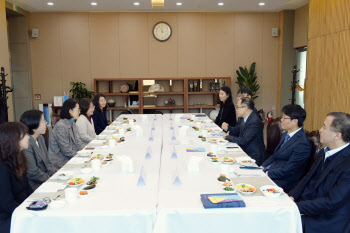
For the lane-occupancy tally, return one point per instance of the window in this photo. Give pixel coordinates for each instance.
(301, 75)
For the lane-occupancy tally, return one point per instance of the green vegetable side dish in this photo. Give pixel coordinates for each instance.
(228, 189)
(94, 178)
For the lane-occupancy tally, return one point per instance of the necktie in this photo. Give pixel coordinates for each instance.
(285, 139)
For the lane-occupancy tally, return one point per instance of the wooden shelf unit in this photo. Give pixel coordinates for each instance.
(178, 90)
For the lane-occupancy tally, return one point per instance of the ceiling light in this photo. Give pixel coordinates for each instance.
(94, 4)
(136, 3)
(179, 3)
(262, 4)
(50, 3)
(220, 3)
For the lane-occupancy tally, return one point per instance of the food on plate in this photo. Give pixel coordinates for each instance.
(104, 163)
(97, 156)
(75, 181)
(212, 140)
(215, 161)
(223, 178)
(271, 190)
(83, 193)
(122, 139)
(93, 180)
(227, 160)
(204, 139)
(89, 187)
(227, 184)
(128, 129)
(245, 188)
(64, 174)
(195, 128)
(229, 189)
(109, 156)
(211, 154)
(248, 161)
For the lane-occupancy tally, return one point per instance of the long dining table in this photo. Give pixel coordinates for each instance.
(168, 200)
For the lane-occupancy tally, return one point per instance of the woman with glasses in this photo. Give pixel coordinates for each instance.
(65, 140)
(99, 116)
(14, 186)
(85, 123)
(39, 165)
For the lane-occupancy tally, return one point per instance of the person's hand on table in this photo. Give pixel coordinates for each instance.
(291, 198)
(224, 135)
(224, 126)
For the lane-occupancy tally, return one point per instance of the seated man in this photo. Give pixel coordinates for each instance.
(287, 165)
(322, 196)
(249, 133)
(245, 92)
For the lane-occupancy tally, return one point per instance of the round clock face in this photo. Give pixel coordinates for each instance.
(162, 31)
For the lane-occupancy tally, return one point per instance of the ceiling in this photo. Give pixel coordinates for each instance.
(170, 5)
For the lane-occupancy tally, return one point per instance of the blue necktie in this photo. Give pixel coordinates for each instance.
(285, 139)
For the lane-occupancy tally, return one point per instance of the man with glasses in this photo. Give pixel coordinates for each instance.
(287, 165)
(249, 133)
(322, 196)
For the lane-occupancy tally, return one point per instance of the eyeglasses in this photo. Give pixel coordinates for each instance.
(241, 107)
(93, 107)
(78, 109)
(285, 118)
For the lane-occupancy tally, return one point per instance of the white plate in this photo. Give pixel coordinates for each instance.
(77, 185)
(101, 137)
(84, 153)
(86, 170)
(84, 196)
(227, 162)
(222, 142)
(268, 194)
(105, 165)
(68, 176)
(248, 193)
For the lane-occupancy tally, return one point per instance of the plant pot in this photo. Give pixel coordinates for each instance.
(111, 105)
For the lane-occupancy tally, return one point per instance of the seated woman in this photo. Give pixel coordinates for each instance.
(85, 123)
(227, 113)
(14, 186)
(99, 116)
(39, 166)
(65, 140)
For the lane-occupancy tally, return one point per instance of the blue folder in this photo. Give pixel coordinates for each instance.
(232, 200)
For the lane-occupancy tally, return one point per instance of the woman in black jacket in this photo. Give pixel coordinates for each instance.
(14, 186)
(227, 112)
(100, 117)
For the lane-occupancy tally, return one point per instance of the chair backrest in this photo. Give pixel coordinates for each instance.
(314, 138)
(274, 134)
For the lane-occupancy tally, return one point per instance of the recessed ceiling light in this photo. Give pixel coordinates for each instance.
(136, 3)
(179, 3)
(262, 4)
(94, 4)
(50, 3)
(220, 3)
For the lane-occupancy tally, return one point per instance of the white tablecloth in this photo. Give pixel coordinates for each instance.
(117, 204)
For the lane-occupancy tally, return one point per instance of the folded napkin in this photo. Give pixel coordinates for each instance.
(248, 173)
(97, 142)
(78, 160)
(50, 187)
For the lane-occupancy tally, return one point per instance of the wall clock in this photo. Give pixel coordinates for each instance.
(162, 31)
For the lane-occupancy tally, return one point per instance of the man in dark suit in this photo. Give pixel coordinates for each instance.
(287, 165)
(249, 133)
(323, 195)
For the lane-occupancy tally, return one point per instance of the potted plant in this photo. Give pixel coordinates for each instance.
(79, 91)
(248, 79)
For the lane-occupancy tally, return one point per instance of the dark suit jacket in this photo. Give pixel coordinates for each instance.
(289, 162)
(227, 114)
(100, 121)
(249, 137)
(40, 168)
(12, 193)
(330, 210)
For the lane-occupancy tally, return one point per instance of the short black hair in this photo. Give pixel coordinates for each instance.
(245, 90)
(295, 111)
(97, 103)
(31, 119)
(228, 92)
(69, 104)
(341, 124)
(84, 105)
(249, 102)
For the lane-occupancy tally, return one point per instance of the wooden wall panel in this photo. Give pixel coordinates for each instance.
(328, 65)
(317, 18)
